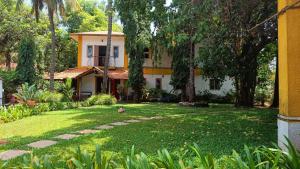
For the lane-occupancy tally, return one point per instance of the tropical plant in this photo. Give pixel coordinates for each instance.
(27, 93)
(53, 7)
(249, 158)
(68, 90)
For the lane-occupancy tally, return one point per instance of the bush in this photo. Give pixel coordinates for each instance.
(101, 99)
(15, 112)
(47, 96)
(249, 158)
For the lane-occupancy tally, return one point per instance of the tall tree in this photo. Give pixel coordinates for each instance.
(231, 47)
(136, 19)
(108, 46)
(26, 71)
(53, 7)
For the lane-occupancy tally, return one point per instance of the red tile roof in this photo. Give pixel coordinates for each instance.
(79, 72)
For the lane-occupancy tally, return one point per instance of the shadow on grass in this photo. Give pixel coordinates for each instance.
(217, 130)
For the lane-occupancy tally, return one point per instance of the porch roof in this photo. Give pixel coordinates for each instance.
(74, 73)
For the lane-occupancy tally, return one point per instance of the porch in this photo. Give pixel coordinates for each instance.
(89, 81)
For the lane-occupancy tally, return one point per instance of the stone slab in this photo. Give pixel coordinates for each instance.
(104, 127)
(132, 121)
(145, 118)
(87, 131)
(10, 154)
(157, 117)
(119, 124)
(42, 144)
(67, 136)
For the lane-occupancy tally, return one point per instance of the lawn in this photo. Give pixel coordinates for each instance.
(217, 129)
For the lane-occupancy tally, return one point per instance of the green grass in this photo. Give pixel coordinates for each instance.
(217, 129)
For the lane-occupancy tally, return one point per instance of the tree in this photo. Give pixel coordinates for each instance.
(53, 7)
(231, 48)
(108, 46)
(136, 19)
(26, 71)
(180, 67)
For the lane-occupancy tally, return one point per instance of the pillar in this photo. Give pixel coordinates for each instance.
(289, 74)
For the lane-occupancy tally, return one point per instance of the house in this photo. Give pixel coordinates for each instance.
(87, 76)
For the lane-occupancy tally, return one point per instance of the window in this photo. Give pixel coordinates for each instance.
(89, 51)
(214, 84)
(116, 51)
(146, 53)
(158, 83)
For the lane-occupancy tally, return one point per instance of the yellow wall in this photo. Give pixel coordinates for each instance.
(79, 57)
(289, 60)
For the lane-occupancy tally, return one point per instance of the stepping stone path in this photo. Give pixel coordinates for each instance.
(42, 144)
(119, 124)
(67, 136)
(87, 131)
(145, 118)
(7, 155)
(10, 154)
(104, 127)
(132, 121)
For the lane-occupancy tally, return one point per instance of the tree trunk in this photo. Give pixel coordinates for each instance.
(247, 76)
(276, 88)
(191, 86)
(8, 61)
(108, 47)
(53, 46)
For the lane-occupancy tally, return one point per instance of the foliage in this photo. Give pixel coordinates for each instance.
(101, 99)
(10, 82)
(192, 157)
(91, 18)
(266, 73)
(16, 112)
(26, 61)
(68, 90)
(47, 96)
(136, 26)
(231, 47)
(180, 67)
(26, 93)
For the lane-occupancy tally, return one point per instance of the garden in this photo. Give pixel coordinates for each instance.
(219, 130)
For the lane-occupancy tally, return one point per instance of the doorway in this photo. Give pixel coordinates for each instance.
(102, 54)
(99, 83)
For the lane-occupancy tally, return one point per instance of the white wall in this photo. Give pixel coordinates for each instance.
(165, 80)
(201, 84)
(88, 83)
(102, 41)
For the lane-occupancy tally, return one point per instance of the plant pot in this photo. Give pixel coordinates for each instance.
(31, 103)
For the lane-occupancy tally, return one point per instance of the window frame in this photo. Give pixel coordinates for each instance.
(147, 53)
(160, 83)
(88, 47)
(117, 50)
(214, 84)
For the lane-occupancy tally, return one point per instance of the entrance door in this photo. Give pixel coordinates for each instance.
(102, 53)
(99, 83)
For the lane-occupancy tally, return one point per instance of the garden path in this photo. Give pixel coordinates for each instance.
(11, 154)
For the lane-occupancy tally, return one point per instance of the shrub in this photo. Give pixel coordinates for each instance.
(101, 99)
(192, 157)
(26, 93)
(15, 112)
(47, 96)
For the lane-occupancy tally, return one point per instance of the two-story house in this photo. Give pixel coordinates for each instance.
(87, 76)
